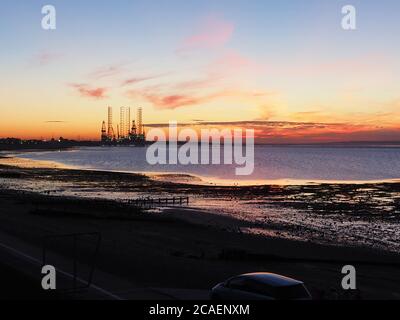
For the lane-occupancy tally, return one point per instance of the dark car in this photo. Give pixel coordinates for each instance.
(260, 286)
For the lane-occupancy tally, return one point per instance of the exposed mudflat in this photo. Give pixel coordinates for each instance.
(350, 214)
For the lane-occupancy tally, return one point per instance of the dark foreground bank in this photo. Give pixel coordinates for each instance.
(166, 254)
(179, 252)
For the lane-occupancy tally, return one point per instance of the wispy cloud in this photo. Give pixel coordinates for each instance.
(55, 121)
(108, 71)
(90, 92)
(232, 62)
(172, 101)
(225, 75)
(136, 80)
(297, 131)
(177, 99)
(256, 124)
(214, 32)
(361, 65)
(45, 58)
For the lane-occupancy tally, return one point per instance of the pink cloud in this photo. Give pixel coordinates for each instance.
(362, 65)
(136, 80)
(177, 99)
(232, 62)
(90, 92)
(107, 71)
(45, 58)
(209, 80)
(173, 101)
(213, 33)
(300, 132)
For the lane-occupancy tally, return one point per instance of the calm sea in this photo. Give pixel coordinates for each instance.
(271, 163)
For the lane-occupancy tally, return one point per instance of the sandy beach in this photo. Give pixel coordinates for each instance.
(196, 246)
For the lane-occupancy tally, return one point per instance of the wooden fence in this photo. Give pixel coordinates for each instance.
(158, 202)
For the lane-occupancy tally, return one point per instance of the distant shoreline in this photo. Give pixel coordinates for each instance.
(67, 144)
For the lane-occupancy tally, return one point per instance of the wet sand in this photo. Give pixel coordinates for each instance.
(194, 248)
(342, 214)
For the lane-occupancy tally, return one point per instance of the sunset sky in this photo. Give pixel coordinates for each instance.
(285, 68)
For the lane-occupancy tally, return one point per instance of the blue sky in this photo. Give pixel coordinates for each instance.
(293, 55)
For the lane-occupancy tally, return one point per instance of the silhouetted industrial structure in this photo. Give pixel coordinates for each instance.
(126, 134)
(140, 121)
(110, 132)
(103, 132)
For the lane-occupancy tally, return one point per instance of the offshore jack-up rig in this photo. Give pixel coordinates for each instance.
(127, 133)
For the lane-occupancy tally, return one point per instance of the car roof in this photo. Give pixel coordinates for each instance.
(270, 279)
